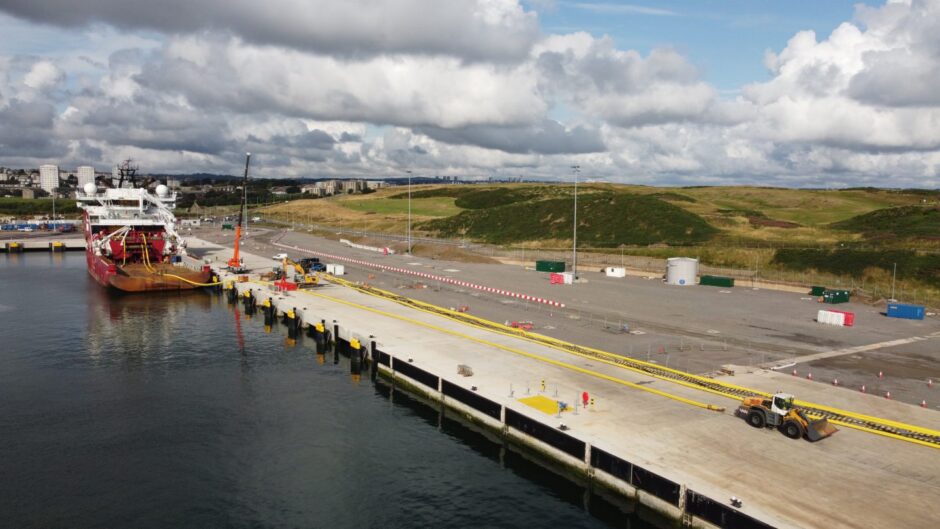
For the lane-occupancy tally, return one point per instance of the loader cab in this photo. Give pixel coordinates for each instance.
(782, 403)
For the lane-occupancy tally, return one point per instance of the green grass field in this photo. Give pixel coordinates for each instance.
(843, 236)
(422, 207)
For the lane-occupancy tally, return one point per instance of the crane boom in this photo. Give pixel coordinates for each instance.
(235, 262)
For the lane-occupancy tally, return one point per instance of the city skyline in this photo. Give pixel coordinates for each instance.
(664, 93)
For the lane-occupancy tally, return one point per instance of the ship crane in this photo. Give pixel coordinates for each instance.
(235, 264)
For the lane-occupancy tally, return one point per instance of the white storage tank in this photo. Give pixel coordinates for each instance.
(681, 271)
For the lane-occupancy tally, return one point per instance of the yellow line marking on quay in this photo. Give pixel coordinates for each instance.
(566, 347)
(520, 352)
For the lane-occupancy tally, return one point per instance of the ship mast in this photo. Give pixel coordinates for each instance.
(127, 171)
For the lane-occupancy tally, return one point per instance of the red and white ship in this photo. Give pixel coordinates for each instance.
(131, 240)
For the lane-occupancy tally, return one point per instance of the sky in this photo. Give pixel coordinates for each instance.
(696, 92)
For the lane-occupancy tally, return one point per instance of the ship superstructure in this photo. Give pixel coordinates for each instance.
(131, 239)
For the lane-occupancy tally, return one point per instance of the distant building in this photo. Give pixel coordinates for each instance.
(86, 175)
(49, 177)
(173, 183)
(29, 193)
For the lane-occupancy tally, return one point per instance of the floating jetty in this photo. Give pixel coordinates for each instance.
(673, 446)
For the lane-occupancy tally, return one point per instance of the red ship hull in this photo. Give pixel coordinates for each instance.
(136, 274)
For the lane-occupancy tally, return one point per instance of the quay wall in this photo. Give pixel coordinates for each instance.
(663, 497)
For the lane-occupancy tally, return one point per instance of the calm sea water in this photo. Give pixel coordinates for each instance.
(175, 411)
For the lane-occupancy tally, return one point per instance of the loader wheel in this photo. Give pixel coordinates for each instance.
(792, 430)
(756, 419)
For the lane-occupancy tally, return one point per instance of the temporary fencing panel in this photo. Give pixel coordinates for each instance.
(472, 399)
(545, 433)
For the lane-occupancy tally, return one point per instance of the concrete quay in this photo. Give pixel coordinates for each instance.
(44, 244)
(684, 461)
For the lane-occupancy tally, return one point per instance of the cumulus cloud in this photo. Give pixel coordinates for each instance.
(545, 137)
(471, 29)
(468, 87)
(624, 87)
(870, 88)
(227, 73)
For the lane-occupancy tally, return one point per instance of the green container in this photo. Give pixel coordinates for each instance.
(836, 296)
(550, 266)
(717, 281)
(228, 227)
(817, 291)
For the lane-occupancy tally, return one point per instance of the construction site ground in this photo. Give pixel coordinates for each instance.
(694, 328)
(853, 479)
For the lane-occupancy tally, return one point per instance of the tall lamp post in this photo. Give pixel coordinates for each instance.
(576, 169)
(409, 212)
(53, 206)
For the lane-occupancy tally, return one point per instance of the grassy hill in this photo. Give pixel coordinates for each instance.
(606, 219)
(905, 222)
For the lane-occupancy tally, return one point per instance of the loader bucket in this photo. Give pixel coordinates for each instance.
(819, 429)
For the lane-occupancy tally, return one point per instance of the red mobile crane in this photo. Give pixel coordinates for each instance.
(235, 264)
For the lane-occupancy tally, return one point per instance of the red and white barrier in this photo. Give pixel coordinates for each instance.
(836, 317)
(424, 275)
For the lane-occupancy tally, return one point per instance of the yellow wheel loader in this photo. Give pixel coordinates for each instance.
(779, 412)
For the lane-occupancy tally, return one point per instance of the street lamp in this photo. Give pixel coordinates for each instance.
(409, 212)
(54, 189)
(576, 169)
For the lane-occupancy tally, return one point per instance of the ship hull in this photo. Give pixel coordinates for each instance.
(141, 278)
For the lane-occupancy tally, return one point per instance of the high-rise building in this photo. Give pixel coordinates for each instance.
(49, 177)
(86, 175)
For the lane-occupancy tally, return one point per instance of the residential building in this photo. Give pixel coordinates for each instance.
(86, 175)
(49, 177)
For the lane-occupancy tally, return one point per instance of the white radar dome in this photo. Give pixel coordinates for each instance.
(90, 188)
(162, 190)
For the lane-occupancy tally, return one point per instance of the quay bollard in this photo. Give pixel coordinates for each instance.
(355, 359)
(267, 308)
(293, 323)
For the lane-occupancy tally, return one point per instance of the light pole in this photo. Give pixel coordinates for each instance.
(409, 212)
(54, 189)
(576, 169)
(894, 277)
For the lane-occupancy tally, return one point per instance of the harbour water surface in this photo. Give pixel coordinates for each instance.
(178, 411)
